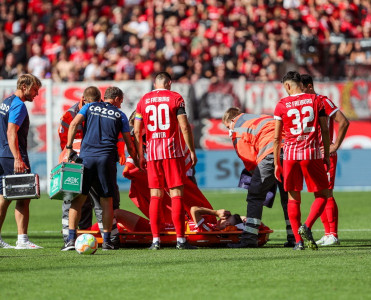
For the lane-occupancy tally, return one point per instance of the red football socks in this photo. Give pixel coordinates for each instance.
(324, 220)
(293, 210)
(155, 216)
(177, 213)
(316, 210)
(331, 210)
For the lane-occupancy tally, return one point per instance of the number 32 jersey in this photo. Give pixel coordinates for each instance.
(300, 116)
(158, 110)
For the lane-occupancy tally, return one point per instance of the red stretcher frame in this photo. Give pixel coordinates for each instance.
(201, 239)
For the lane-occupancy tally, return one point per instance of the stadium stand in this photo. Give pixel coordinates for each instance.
(130, 39)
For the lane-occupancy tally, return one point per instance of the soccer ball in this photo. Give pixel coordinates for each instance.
(86, 244)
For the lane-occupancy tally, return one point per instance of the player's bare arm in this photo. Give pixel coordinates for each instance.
(326, 139)
(72, 132)
(185, 127)
(138, 126)
(131, 147)
(197, 213)
(19, 165)
(277, 149)
(343, 128)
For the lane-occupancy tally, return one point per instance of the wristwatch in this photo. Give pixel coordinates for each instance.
(68, 147)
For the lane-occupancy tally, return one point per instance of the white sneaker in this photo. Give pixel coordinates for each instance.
(27, 245)
(4, 245)
(322, 240)
(331, 240)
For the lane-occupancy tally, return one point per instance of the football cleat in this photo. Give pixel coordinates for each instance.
(331, 240)
(299, 246)
(4, 245)
(306, 234)
(27, 245)
(155, 246)
(322, 240)
(184, 246)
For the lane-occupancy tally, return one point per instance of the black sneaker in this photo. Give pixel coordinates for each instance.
(108, 246)
(306, 234)
(70, 245)
(155, 246)
(184, 246)
(299, 246)
(289, 244)
(243, 244)
(116, 243)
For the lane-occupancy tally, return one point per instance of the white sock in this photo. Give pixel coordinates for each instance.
(156, 239)
(181, 239)
(22, 238)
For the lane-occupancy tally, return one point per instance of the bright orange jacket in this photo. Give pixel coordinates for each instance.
(252, 137)
(64, 125)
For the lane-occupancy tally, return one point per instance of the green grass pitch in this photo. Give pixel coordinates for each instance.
(271, 272)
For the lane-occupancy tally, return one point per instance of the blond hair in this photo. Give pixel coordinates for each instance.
(230, 114)
(29, 81)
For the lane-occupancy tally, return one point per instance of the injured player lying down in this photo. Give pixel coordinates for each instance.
(202, 221)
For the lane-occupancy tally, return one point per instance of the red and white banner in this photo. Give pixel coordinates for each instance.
(358, 135)
(205, 104)
(352, 97)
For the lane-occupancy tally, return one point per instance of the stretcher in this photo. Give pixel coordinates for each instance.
(200, 239)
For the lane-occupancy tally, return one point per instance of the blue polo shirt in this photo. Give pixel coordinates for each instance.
(103, 123)
(13, 110)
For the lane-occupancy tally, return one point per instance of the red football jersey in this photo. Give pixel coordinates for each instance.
(300, 116)
(330, 109)
(204, 227)
(158, 110)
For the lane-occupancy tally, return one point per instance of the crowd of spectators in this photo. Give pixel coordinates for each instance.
(77, 40)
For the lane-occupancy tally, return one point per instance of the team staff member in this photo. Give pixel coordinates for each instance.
(90, 94)
(103, 124)
(252, 137)
(14, 126)
(329, 217)
(162, 115)
(300, 115)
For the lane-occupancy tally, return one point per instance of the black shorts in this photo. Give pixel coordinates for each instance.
(7, 168)
(101, 173)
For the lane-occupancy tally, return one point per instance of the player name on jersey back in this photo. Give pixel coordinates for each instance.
(158, 135)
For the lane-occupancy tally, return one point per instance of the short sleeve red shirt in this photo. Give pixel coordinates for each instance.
(330, 110)
(300, 116)
(158, 111)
